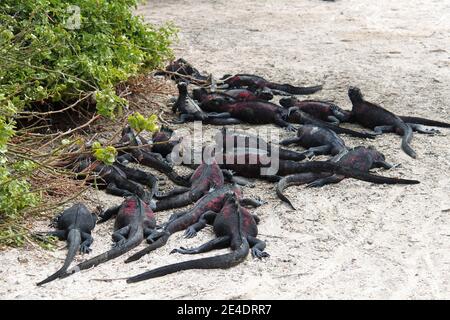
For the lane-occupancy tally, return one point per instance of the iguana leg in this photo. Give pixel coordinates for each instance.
(185, 117)
(156, 161)
(174, 192)
(258, 247)
(148, 231)
(333, 120)
(175, 216)
(141, 177)
(339, 156)
(218, 243)
(87, 241)
(132, 188)
(125, 158)
(315, 151)
(169, 159)
(292, 109)
(324, 181)
(422, 129)
(155, 235)
(178, 179)
(191, 231)
(289, 141)
(383, 129)
(243, 181)
(283, 123)
(108, 214)
(248, 202)
(382, 164)
(229, 175)
(120, 236)
(219, 115)
(256, 218)
(155, 155)
(112, 188)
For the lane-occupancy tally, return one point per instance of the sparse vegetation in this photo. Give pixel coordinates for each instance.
(57, 56)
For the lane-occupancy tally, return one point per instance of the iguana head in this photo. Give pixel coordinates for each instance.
(355, 95)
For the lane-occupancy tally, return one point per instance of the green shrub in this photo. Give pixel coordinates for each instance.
(45, 60)
(55, 52)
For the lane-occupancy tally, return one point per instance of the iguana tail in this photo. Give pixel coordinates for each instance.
(426, 122)
(173, 202)
(325, 166)
(287, 154)
(154, 161)
(224, 261)
(179, 180)
(293, 90)
(295, 179)
(155, 245)
(131, 243)
(74, 241)
(406, 139)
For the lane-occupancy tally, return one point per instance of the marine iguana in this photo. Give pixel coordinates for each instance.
(254, 112)
(162, 143)
(256, 82)
(239, 162)
(263, 112)
(360, 158)
(322, 110)
(144, 155)
(211, 99)
(234, 227)
(231, 139)
(73, 225)
(117, 179)
(374, 116)
(248, 95)
(201, 94)
(131, 139)
(319, 141)
(155, 161)
(188, 220)
(205, 178)
(379, 119)
(190, 111)
(135, 221)
(185, 72)
(142, 177)
(295, 115)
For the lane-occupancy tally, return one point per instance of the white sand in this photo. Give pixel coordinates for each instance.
(351, 240)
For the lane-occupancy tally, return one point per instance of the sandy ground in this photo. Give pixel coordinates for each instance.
(352, 240)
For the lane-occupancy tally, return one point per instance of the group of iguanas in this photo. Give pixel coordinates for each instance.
(214, 187)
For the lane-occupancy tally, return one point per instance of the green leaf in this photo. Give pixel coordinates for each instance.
(106, 155)
(139, 123)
